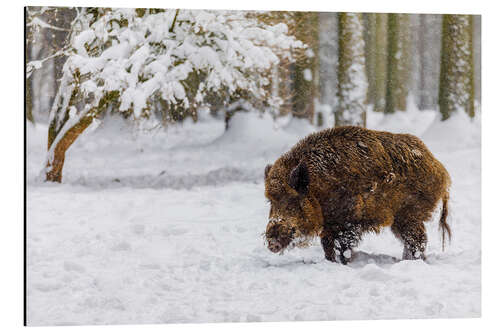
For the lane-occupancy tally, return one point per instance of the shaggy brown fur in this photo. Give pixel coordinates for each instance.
(340, 183)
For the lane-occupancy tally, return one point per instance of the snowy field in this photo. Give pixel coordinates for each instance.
(165, 227)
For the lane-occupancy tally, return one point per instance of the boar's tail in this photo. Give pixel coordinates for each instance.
(445, 228)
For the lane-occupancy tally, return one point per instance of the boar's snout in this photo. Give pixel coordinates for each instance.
(274, 246)
(278, 237)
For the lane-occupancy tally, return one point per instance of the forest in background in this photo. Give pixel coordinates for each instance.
(84, 64)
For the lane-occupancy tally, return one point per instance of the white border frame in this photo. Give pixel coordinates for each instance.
(12, 152)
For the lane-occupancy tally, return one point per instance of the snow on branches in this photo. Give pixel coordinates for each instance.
(180, 56)
(132, 60)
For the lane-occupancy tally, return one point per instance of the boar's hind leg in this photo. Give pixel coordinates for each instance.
(338, 245)
(413, 236)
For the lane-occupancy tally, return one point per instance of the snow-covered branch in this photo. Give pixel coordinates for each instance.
(204, 52)
(37, 64)
(39, 23)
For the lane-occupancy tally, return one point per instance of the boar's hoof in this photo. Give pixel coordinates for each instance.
(330, 257)
(410, 253)
(343, 258)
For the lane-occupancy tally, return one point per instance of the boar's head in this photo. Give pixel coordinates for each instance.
(295, 216)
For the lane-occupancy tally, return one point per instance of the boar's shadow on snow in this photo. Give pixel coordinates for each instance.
(338, 184)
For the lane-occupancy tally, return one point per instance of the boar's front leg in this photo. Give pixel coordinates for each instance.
(328, 244)
(338, 244)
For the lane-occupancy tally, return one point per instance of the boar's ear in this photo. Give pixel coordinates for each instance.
(266, 171)
(299, 178)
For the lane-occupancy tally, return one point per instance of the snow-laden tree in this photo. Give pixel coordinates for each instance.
(126, 60)
(456, 86)
(352, 81)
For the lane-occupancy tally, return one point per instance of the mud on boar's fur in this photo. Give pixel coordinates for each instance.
(341, 183)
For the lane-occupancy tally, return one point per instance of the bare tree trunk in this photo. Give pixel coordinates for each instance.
(55, 166)
(29, 100)
(397, 63)
(28, 81)
(456, 86)
(422, 98)
(477, 57)
(352, 82)
(429, 49)
(328, 59)
(380, 61)
(370, 37)
(305, 68)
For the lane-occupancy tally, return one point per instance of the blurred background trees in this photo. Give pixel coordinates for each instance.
(305, 67)
(402, 55)
(456, 81)
(398, 63)
(351, 72)
(330, 68)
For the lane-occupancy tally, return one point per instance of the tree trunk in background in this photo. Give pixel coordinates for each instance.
(328, 60)
(424, 100)
(352, 83)
(398, 63)
(305, 68)
(370, 38)
(45, 80)
(414, 60)
(380, 61)
(456, 83)
(285, 88)
(477, 57)
(28, 81)
(29, 101)
(429, 49)
(62, 17)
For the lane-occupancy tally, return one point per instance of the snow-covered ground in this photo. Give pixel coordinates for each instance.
(165, 227)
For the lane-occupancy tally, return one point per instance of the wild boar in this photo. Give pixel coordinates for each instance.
(341, 183)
